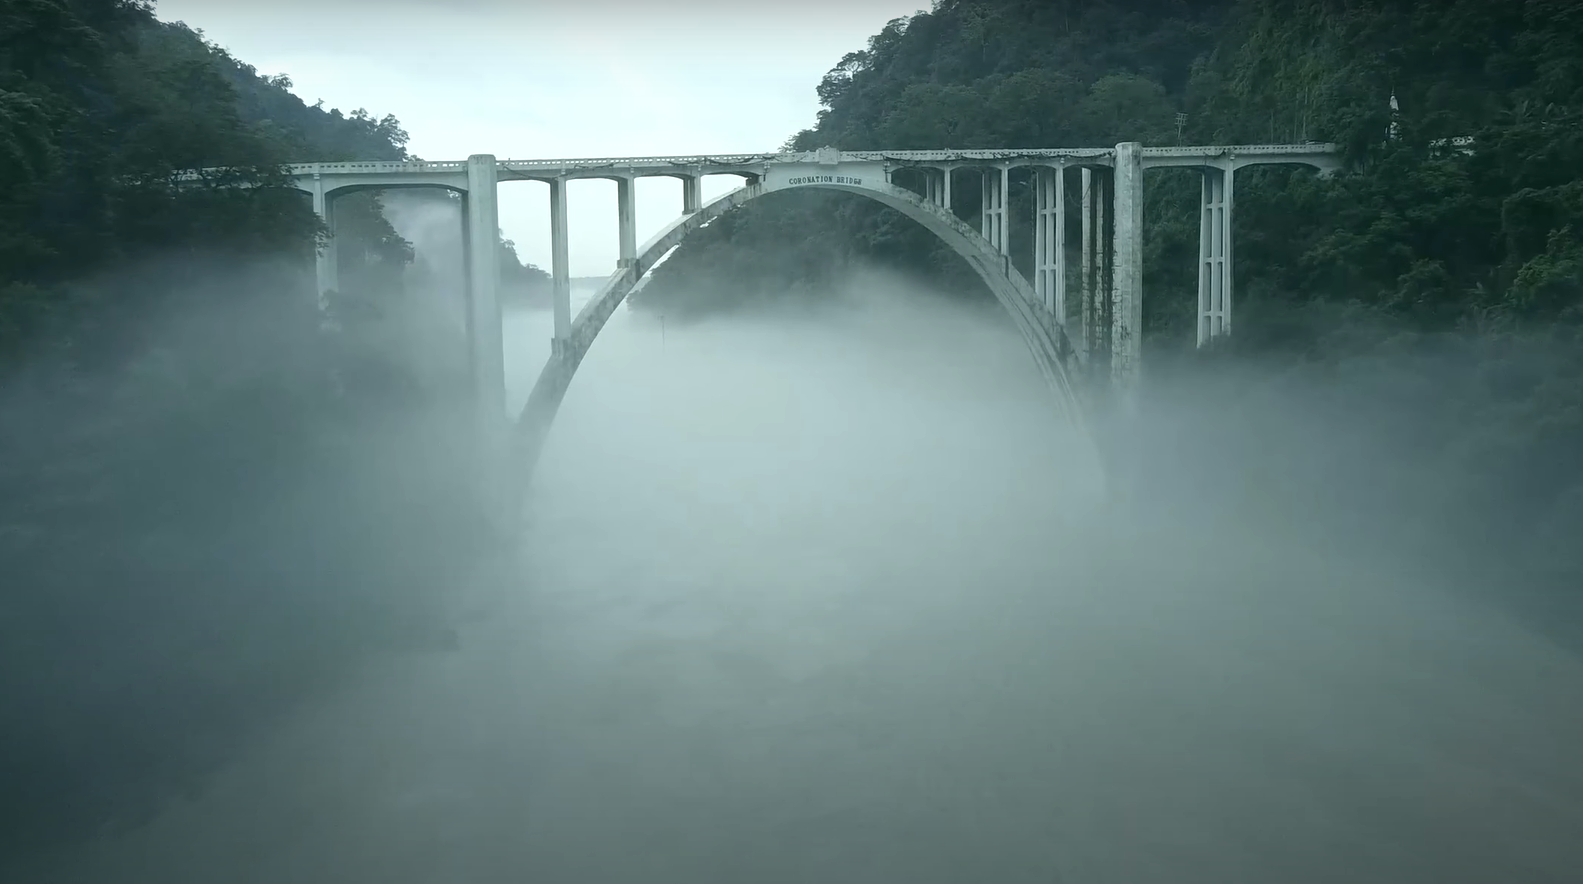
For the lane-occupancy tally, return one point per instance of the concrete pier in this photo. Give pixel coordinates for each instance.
(993, 209)
(626, 222)
(1214, 255)
(1126, 299)
(692, 194)
(483, 284)
(934, 186)
(485, 339)
(1049, 240)
(560, 260)
(326, 265)
(1095, 276)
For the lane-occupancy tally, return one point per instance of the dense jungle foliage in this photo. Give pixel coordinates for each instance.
(207, 507)
(1433, 294)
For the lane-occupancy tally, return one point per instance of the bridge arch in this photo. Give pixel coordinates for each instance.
(1047, 343)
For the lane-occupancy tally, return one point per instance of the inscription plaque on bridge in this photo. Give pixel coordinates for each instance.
(824, 179)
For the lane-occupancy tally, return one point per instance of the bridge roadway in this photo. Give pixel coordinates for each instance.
(1319, 155)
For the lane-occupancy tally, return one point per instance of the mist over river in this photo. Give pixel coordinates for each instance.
(830, 597)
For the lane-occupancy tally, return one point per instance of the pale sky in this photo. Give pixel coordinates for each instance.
(533, 80)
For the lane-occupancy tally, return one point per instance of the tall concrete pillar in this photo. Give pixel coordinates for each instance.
(1214, 255)
(945, 188)
(986, 204)
(1095, 276)
(486, 347)
(325, 265)
(484, 334)
(1126, 310)
(627, 221)
(560, 261)
(1049, 240)
(692, 194)
(1005, 195)
(933, 187)
(1230, 249)
(1085, 276)
(993, 210)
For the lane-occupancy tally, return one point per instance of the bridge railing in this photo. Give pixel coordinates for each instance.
(1323, 153)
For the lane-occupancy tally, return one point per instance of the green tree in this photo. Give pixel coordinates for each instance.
(1451, 248)
(183, 491)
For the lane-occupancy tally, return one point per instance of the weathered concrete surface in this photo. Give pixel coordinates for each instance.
(1126, 296)
(995, 183)
(1214, 254)
(626, 222)
(560, 258)
(483, 294)
(1049, 240)
(326, 267)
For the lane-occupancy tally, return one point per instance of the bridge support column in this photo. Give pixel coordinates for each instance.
(485, 343)
(1126, 311)
(938, 189)
(993, 211)
(627, 221)
(1214, 256)
(1049, 240)
(692, 194)
(1095, 277)
(326, 265)
(484, 335)
(560, 262)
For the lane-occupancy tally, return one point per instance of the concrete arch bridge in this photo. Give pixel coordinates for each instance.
(1094, 336)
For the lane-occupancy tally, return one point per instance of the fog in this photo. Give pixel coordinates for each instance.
(832, 596)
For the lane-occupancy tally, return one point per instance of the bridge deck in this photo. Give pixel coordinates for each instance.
(1314, 154)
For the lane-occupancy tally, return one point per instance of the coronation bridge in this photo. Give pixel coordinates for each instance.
(1094, 337)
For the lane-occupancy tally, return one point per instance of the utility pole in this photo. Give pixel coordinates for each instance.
(1181, 123)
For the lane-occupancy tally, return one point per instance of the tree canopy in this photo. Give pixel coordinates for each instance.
(206, 506)
(221, 503)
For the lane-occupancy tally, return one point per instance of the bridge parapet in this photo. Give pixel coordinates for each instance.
(1109, 296)
(410, 167)
(1314, 154)
(1323, 156)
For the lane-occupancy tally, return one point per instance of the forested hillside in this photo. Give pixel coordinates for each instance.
(207, 508)
(1478, 231)
(1434, 295)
